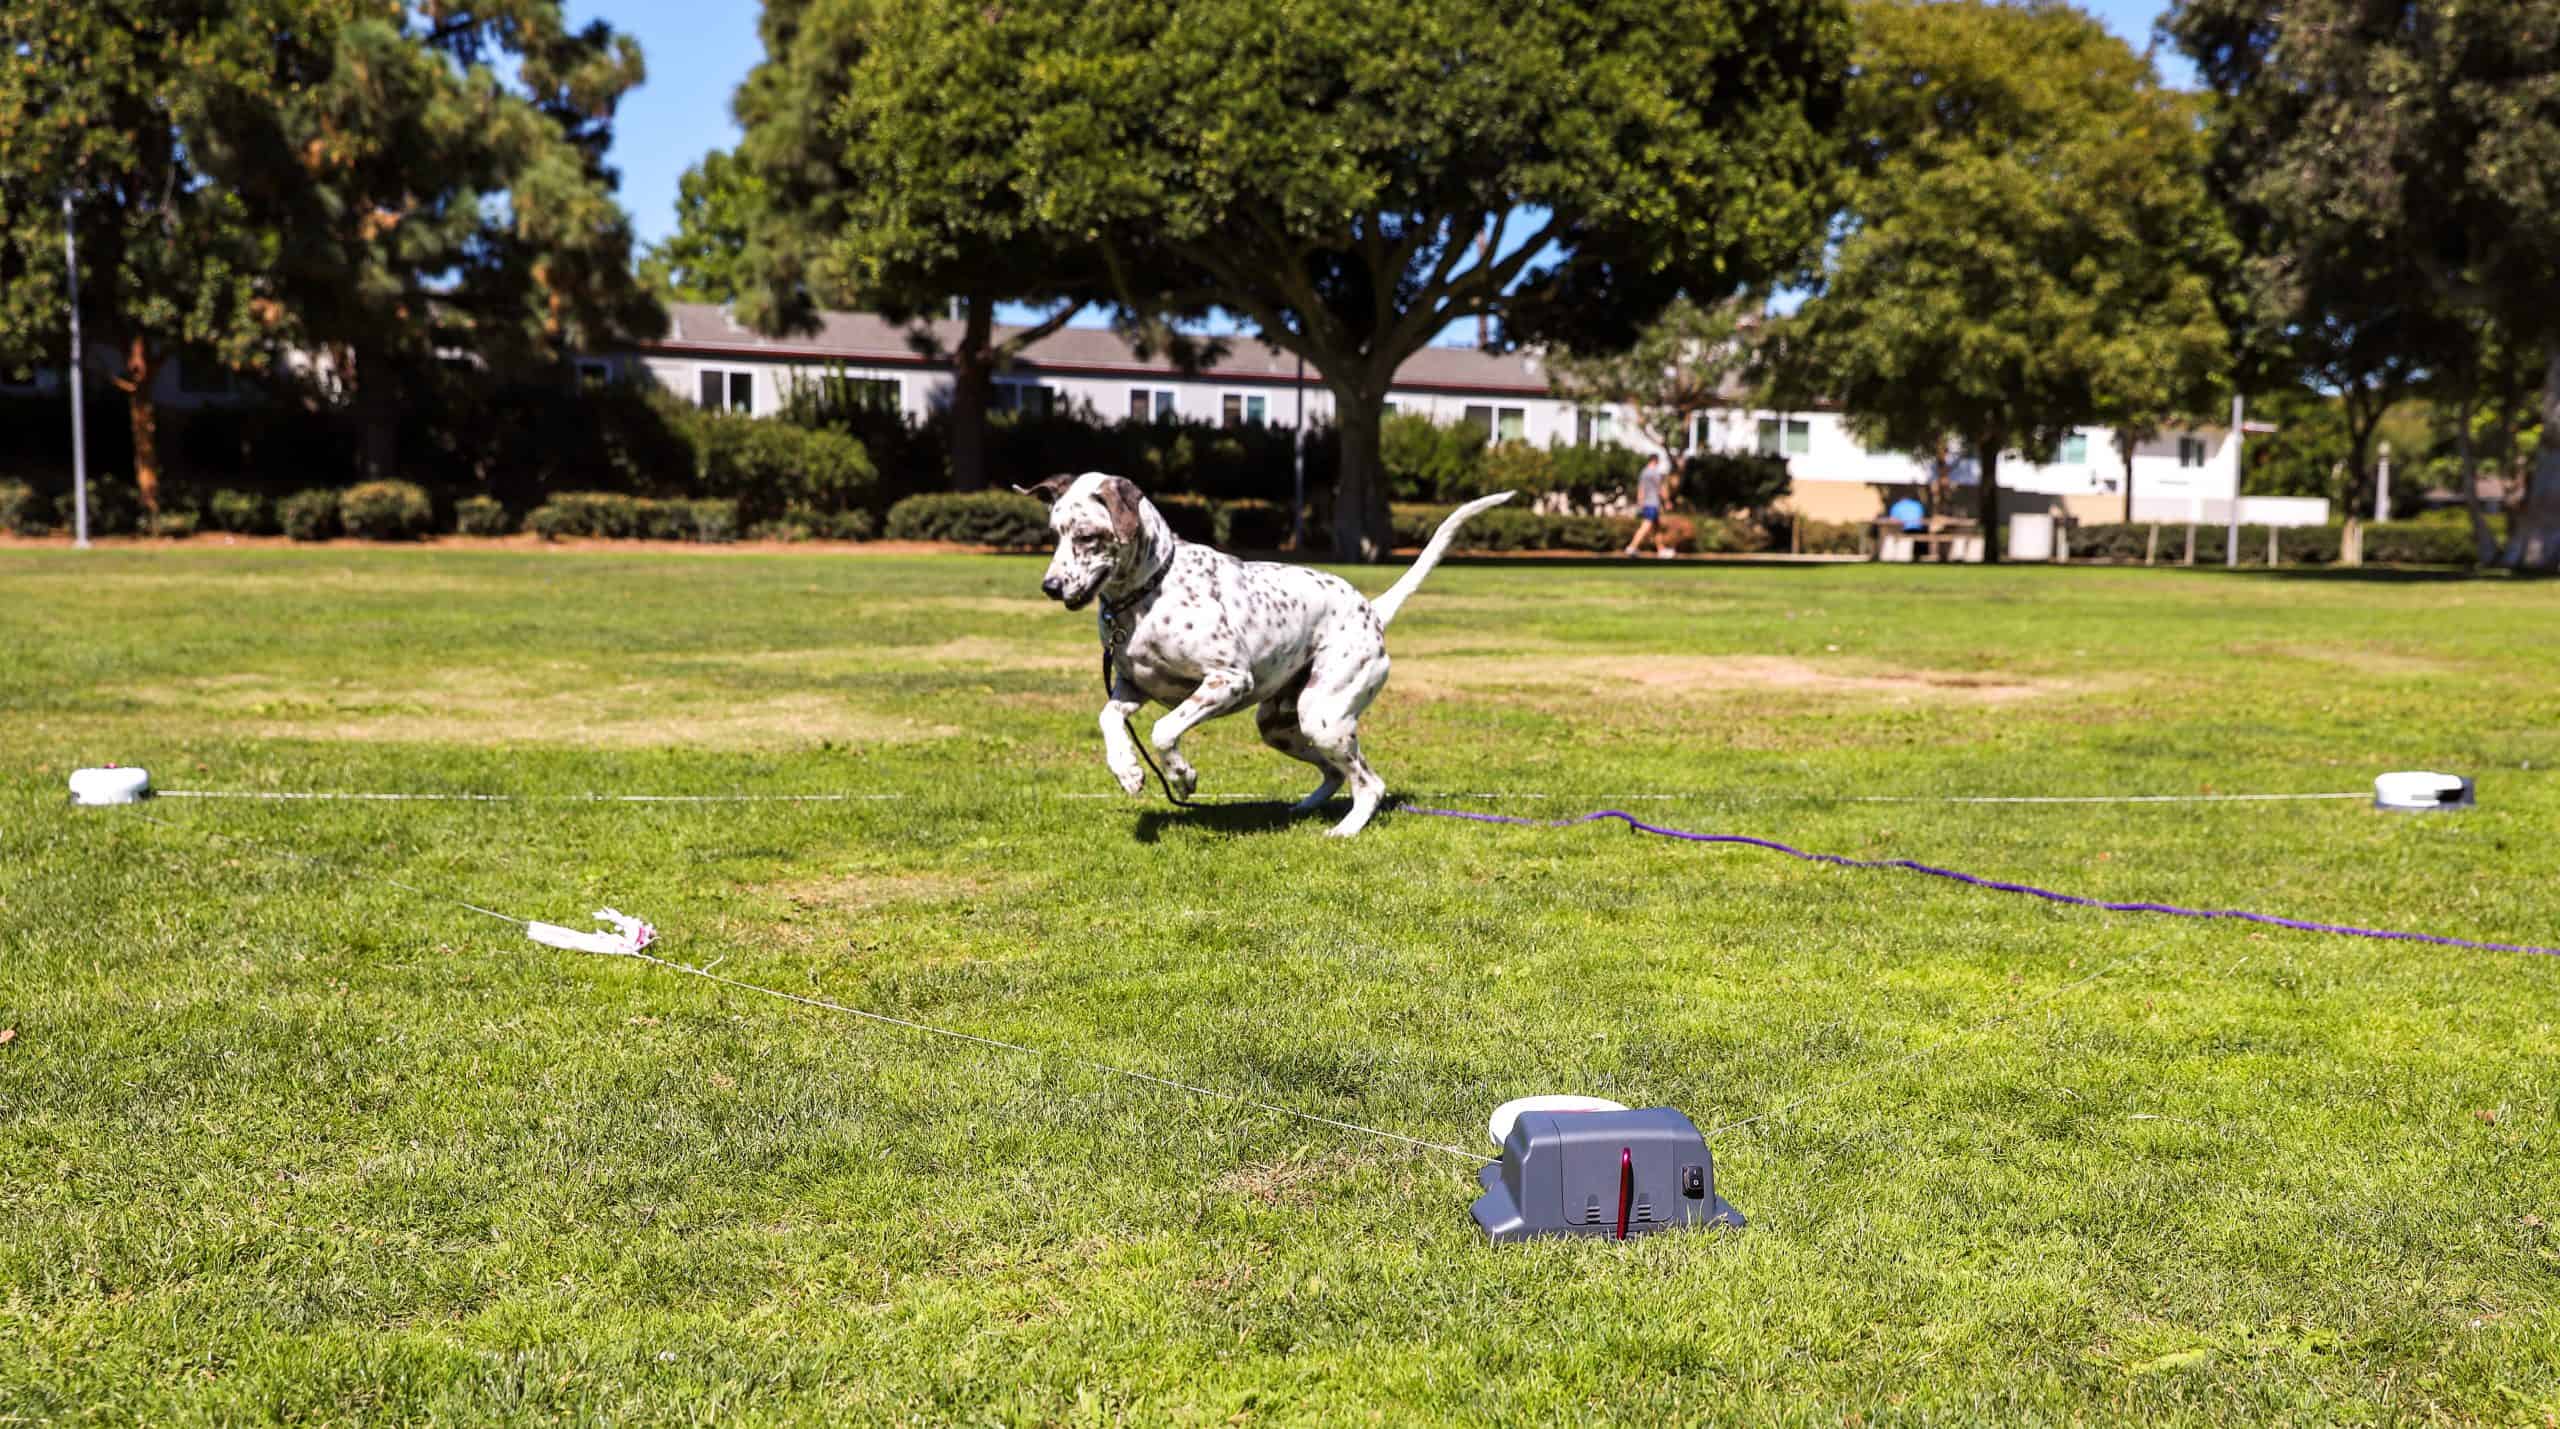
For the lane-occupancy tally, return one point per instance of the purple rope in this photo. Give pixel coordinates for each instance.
(2047, 894)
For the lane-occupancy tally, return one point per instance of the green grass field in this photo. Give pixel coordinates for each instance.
(279, 1142)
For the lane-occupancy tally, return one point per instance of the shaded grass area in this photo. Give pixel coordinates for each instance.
(280, 1143)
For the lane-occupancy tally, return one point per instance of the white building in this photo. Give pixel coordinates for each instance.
(715, 361)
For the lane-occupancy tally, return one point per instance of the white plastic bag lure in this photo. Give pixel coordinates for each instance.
(629, 935)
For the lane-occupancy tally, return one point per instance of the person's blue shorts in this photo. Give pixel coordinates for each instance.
(1649, 513)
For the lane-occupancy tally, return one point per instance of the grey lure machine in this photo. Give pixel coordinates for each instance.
(1604, 1173)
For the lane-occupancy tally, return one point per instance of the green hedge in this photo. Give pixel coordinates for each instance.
(245, 513)
(612, 516)
(972, 518)
(482, 516)
(1507, 528)
(22, 511)
(2394, 543)
(386, 511)
(309, 515)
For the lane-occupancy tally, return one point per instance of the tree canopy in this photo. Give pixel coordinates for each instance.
(706, 259)
(1675, 371)
(106, 103)
(2027, 246)
(880, 173)
(1326, 170)
(2394, 165)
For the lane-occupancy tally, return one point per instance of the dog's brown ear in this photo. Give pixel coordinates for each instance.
(1121, 497)
(1048, 489)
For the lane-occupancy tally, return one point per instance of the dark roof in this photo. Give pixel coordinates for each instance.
(707, 328)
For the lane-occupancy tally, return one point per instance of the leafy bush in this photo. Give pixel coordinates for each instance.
(482, 516)
(1507, 528)
(1833, 538)
(173, 524)
(1718, 482)
(767, 467)
(23, 511)
(1426, 461)
(612, 516)
(1590, 475)
(386, 511)
(115, 509)
(609, 515)
(247, 513)
(2415, 543)
(975, 518)
(309, 515)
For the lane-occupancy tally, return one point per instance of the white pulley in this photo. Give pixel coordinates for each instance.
(2421, 789)
(115, 784)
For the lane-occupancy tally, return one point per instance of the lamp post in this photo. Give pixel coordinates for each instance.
(2231, 537)
(79, 428)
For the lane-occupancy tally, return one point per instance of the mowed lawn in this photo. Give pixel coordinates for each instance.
(285, 1142)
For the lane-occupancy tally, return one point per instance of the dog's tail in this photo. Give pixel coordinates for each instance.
(1387, 605)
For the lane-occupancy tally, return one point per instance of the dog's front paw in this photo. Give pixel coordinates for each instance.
(1133, 779)
(1181, 776)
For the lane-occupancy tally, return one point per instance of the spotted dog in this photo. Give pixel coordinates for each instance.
(1208, 634)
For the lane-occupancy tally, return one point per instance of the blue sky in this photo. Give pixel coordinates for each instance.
(697, 54)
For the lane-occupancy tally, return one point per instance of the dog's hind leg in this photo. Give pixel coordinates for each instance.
(1329, 710)
(1278, 721)
(1221, 692)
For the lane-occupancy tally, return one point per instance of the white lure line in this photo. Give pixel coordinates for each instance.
(629, 935)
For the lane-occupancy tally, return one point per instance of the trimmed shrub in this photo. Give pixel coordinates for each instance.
(715, 523)
(1588, 475)
(386, 511)
(247, 513)
(482, 516)
(174, 525)
(609, 515)
(309, 515)
(768, 467)
(1732, 481)
(1255, 525)
(975, 518)
(1507, 528)
(1426, 461)
(23, 511)
(787, 532)
(115, 509)
(2413, 543)
(1840, 538)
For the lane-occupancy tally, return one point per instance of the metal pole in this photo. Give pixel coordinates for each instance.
(2382, 486)
(79, 431)
(1298, 463)
(2231, 539)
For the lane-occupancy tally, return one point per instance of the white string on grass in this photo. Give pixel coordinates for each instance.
(1481, 796)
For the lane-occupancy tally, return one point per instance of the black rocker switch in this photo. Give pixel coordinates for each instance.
(1693, 1182)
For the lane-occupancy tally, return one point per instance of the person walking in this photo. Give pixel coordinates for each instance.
(1655, 486)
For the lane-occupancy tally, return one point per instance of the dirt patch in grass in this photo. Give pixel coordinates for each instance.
(865, 890)
(1293, 1182)
(2363, 659)
(569, 707)
(1445, 677)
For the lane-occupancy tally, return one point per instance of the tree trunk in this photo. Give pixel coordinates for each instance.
(377, 412)
(2124, 449)
(141, 374)
(972, 388)
(2482, 539)
(1986, 462)
(1362, 530)
(2534, 529)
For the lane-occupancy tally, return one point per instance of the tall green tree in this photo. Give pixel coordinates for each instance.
(1674, 372)
(1325, 170)
(435, 174)
(107, 102)
(705, 259)
(2028, 244)
(882, 188)
(2372, 145)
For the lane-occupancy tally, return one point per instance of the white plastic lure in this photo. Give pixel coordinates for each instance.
(628, 936)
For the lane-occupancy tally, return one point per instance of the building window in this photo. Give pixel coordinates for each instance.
(2075, 450)
(1238, 409)
(2190, 451)
(1792, 436)
(858, 394)
(1027, 397)
(728, 390)
(1594, 428)
(200, 378)
(1150, 404)
(1510, 424)
(1480, 421)
(594, 372)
